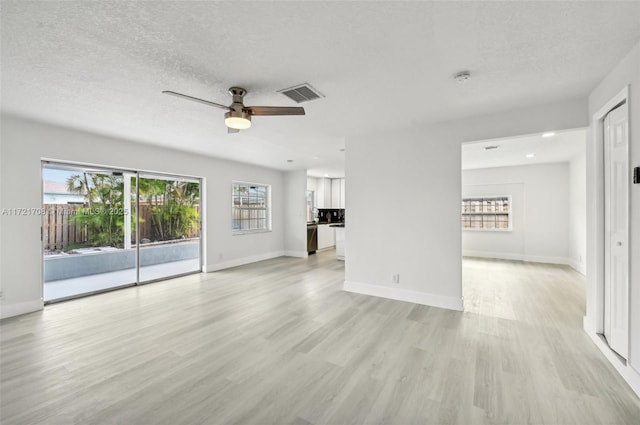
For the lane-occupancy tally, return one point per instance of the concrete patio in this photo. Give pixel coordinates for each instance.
(65, 288)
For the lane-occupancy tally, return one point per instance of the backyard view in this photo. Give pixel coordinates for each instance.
(91, 229)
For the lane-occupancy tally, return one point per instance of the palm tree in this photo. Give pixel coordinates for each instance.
(172, 204)
(80, 184)
(104, 217)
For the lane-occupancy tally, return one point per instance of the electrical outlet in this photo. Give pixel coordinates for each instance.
(396, 278)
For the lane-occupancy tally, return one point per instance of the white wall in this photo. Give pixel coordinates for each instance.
(295, 213)
(24, 143)
(540, 223)
(578, 213)
(416, 172)
(625, 73)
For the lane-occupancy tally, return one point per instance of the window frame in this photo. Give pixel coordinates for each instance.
(267, 208)
(482, 198)
(311, 196)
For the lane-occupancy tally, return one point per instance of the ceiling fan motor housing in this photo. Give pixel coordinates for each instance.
(237, 93)
(238, 118)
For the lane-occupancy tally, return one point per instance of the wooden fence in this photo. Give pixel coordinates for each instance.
(60, 231)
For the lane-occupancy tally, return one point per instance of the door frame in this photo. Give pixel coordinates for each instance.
(598, 207)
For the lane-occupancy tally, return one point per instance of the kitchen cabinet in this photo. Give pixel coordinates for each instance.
(337, 193)
(339, 243)
(326, 236)
(323, 193)
(329, 192)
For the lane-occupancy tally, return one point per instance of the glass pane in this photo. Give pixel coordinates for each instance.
(249, 207)
(169, 226)
(86, 229)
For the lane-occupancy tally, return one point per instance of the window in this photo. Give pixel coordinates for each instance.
(486, 213)
(310, 205)
(251, 208)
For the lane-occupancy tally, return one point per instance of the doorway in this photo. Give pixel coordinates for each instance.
(523, 200)
(105, 228)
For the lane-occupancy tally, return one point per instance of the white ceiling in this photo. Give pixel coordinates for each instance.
(560, 147)
(101, 66)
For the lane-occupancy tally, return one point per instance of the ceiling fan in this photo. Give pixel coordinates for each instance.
(238, 116)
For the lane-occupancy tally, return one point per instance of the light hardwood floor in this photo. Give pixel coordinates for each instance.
(279, 342)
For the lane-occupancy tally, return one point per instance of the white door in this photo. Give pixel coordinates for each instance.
(616, 249)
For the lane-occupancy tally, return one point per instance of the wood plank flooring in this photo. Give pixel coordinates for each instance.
(279, 342)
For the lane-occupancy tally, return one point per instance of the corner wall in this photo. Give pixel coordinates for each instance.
(578, 213)
(295, 213)
(24, 143)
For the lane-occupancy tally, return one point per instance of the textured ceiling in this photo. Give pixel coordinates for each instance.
(101, 66)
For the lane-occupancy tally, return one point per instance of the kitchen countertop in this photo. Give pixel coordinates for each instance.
(332, 224)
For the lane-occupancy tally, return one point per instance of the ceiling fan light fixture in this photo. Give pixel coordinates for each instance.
(238, 116)
(237, 120)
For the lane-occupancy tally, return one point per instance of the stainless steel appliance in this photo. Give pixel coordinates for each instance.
(312, 238)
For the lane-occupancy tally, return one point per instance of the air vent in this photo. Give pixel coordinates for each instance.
(301, 93)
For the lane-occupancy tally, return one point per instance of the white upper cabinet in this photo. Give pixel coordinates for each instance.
(323, 193)
(337, 193)
(329, 192)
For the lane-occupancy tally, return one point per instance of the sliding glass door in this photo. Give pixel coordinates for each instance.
(106, 228)
(86, 245)
(169, 226)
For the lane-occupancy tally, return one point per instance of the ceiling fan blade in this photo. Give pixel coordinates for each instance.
(195, 99)
(232, 130)
(275, 110)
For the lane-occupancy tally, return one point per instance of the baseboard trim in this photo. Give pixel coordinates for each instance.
(296, 254)
(577, 267)
(16, 309)
(407, 295)
(327, 248)
(628, 372)
(518, 257)
(242, 261)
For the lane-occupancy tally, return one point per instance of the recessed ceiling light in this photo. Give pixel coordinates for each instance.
(549, 134)
(488, 148)
(531, 155)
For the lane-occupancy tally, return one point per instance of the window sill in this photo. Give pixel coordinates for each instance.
(487, 230)
(249, 232)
